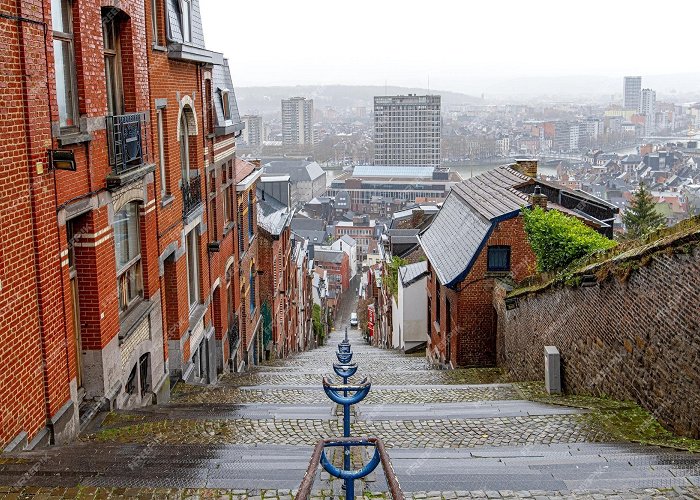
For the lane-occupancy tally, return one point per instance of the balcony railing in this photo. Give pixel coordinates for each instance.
(191, 194)
(127, 138)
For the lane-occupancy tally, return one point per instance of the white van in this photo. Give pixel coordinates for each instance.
(353, 319)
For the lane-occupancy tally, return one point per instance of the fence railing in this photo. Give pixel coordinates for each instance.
(191, 194)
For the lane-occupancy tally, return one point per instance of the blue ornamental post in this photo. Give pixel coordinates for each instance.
(359, 391)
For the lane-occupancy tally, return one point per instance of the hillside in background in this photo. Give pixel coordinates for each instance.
(266, 100)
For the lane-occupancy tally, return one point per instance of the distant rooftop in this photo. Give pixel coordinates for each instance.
(384, 171)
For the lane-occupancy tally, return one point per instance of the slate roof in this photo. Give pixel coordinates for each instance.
(317, 237)
(273, 216)
(174, 23)
(454, 239)
(298, 170)
(349, 240)
(472, 209)
(221, 80)
(413, 272)
(333, 256)
(304, 224)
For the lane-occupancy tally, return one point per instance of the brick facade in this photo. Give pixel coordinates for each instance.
(99, 303)
(632, 334)
(468, 338)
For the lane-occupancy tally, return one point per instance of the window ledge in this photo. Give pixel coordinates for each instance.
(115, 180)
(196, 315)
(74, 138)
(228, 228)
(133, 318)
(166, 199)
(159, 48)
(496, 274)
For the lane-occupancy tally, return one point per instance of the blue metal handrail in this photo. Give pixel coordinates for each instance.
(319, 457)
(347, 395)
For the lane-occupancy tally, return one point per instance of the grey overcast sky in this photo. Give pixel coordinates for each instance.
(453, 43)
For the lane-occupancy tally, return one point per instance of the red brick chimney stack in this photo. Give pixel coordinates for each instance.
(537, 199)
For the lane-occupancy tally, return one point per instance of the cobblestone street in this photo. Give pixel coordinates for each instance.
(450, 434)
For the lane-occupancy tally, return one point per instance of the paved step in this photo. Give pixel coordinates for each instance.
(511, 408)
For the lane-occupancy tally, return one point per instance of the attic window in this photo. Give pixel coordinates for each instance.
(186, 11)
(225, 103)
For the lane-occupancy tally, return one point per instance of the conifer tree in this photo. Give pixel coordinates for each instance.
(641, 216)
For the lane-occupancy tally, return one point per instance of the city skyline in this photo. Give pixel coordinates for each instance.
(459, 59)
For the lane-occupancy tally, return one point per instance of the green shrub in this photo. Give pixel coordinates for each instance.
(392, 274)
(558, 240)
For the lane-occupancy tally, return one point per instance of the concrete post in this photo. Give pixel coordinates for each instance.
(552, 370)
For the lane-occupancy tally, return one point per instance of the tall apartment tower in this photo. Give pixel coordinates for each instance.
(632, 92)
(297, 120)
(647, 109)
(407, 130)
(253, 131)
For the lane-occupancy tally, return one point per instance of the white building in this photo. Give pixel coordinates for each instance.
(297, 121)
(407, 130)
(253, 132)
(308, 179)
(648, 110)
(349, 246)
(410, 308)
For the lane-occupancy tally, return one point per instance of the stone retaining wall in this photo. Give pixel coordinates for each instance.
(633, 333)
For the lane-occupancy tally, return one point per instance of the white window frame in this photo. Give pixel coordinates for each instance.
(66, 38)
(193, 259)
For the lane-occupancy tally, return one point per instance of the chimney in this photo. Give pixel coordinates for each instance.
(416, 217)
(527, 167)
(537, 199)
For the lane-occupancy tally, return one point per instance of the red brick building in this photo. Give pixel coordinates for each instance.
(477, 237)
(138, 263)
(337, 265)
(278, 278)
(251, 350)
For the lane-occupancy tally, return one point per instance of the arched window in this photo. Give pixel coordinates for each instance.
(184, 146)
(127, 249)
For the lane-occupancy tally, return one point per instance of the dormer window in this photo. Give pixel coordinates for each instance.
(186, 11)
(225, 104)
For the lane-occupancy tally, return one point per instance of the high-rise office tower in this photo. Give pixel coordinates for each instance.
(253, 131)
(407, 130)
(632, 92)
(647, 108)
(297, 120)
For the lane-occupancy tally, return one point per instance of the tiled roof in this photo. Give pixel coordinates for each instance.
(412, 272)
(243, 169)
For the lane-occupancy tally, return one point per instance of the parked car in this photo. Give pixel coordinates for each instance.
(353, 319)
